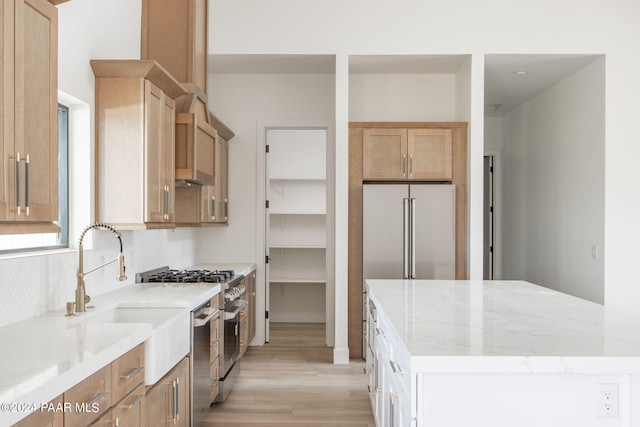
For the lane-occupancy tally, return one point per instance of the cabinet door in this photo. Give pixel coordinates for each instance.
(430, 154)
(384, 154)
(6, 108)
(155, 189)
(160, 152)
(222, 180)
(182, 405)
(157, 404)
(208, 208)
(36, 100)
(167, 165)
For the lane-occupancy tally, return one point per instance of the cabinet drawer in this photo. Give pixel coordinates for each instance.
(89, 399)
(130, 412)
(127, 372)
(51, 418)
(215, 378)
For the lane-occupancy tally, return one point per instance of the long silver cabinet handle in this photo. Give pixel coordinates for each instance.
(405, 238)
(18, 184)
(396, 367)
(213, 208)
(404, 165)
(26, 186)
(411, 165)
(97, 399)
(226, 208)
(134, 403)
(132, 374)
(413, 239)
(177, 399)
(201, 322)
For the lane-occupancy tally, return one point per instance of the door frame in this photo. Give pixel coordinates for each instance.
(262, 292)
(497, 211)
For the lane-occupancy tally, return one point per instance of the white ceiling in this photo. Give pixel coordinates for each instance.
(503, 90)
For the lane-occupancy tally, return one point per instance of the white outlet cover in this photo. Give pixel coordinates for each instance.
(608, 401)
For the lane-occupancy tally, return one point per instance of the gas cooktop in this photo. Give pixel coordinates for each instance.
(166, 275)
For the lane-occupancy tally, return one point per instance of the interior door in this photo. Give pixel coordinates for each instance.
(267, 227)
(433, 231)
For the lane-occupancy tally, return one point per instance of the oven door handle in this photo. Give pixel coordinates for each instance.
(230, 315)
(202, 322)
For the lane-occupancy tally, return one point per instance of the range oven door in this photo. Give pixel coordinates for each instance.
(232, 334)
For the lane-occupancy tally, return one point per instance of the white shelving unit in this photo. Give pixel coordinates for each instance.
(296, 224)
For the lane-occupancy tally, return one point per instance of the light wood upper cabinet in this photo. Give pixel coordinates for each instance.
(29, 137)
(174, 33)
(430, 154)
(407, 154)
(384, 154)
(135, 143)
(195, 139)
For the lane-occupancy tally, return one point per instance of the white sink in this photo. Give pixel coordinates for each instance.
(170, 335)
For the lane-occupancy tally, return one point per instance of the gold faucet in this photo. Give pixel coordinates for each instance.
(81, 295)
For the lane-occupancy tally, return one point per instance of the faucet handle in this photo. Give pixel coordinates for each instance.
(70, 306)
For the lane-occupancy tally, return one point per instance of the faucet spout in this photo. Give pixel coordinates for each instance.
(81, 295)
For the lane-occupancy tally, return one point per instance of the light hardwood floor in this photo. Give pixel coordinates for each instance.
(291, 381)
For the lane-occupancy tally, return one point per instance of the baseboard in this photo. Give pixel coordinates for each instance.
(341, 356)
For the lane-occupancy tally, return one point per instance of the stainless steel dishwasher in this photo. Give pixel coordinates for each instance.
(200, 361)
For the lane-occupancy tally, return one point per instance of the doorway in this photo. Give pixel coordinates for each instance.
(297, 285)
(491, 212)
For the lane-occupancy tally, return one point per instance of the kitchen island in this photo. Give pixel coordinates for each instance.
(499, 353)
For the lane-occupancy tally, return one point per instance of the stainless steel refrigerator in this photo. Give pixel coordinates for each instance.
(409, 231)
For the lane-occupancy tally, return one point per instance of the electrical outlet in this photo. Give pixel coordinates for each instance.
(608, 402)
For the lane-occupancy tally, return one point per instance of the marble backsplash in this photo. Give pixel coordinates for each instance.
(31, 285)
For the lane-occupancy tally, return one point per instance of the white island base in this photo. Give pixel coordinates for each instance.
(498, 354)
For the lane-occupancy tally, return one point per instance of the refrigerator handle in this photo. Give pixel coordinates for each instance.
(413, 239)
(405, 238)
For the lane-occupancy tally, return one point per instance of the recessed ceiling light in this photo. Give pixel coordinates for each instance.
(521, 72)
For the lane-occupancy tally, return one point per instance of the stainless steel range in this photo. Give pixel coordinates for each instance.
(233, 292)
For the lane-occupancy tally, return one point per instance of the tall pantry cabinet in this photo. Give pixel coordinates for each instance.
(28, 137)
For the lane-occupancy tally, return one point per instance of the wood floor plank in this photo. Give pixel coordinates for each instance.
(291, 381)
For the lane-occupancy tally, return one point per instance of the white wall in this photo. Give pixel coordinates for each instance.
(554, 186)
(402, 97)
(242, 101)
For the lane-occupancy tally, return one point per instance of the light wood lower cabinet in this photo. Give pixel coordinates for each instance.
(53, 418)
(114, 393)
(127, 373)
(130, 412)
(167, 402)
(89, 399)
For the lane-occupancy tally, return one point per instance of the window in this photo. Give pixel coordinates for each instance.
(31, 242)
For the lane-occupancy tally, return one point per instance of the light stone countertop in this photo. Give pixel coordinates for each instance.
(505, 327)
(46, 355)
